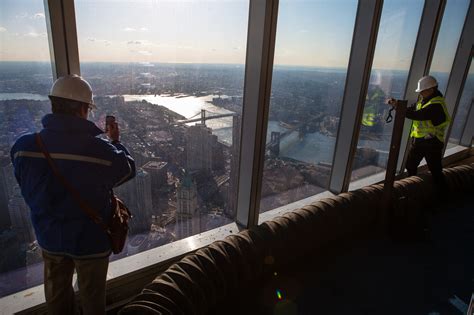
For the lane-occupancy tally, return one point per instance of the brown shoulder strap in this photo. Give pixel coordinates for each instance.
(75, 194)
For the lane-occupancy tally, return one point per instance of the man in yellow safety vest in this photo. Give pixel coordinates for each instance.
(430, 119)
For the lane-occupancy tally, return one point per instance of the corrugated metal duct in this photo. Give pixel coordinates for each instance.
(201, 280)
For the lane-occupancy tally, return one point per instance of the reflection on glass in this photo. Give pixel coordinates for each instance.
(25, 80)
(172, 73)
(395, 42)
(311, 57)
(465, 104)
(447, 42)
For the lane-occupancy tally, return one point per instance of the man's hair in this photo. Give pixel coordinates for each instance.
(66, 106)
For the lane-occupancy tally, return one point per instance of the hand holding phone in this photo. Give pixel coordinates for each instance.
(391, 101)
(111, 128)
(109, 120)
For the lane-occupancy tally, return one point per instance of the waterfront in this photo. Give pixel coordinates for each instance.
(23, 96)
(313, 148)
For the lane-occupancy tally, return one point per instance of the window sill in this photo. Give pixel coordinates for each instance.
(127, 276)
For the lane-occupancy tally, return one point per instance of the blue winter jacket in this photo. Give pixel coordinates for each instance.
(92, 165)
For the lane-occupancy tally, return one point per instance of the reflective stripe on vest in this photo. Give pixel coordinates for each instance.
(425, 128)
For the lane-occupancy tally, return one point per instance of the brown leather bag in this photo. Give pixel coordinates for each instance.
(117, 229)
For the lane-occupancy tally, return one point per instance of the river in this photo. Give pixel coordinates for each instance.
(313, 148)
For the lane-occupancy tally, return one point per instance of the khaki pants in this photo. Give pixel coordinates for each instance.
(91, 277)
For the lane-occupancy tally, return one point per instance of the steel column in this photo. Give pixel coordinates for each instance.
(258, 76)
(358, 75)
(460, 69)
(62, 36)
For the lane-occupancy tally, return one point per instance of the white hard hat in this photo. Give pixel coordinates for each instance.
(73, 87)
(426, 83)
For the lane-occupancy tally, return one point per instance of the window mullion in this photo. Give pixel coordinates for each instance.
(420, 63)
(258, 75)
(360, 64)
(468, 133)
(460, 68)
(62, 36)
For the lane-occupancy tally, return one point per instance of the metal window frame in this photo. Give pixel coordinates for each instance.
(257, 89)
(62, 37)
(425, 44)
(360, 63)
(460, 69)
(468, 133)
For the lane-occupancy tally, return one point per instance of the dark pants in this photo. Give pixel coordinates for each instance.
(432, 151)
(91, 278)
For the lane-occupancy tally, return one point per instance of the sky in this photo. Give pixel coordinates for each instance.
(309, 33)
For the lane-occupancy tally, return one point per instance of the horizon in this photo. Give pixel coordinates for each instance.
(211, 64)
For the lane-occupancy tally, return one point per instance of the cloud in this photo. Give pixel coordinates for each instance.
(185, 47)
(132, 29)
(100, 41)
(139, 42)
(22, 15)
(35, 16)
(134, 42)
(35, 35)
(145, 52)
(2, 29)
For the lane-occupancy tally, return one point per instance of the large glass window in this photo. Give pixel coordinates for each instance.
(313, 43)
(464, 106)
(25, 80)
(393, 52)
(447, 42)
(172, 73)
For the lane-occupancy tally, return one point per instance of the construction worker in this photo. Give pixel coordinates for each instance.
(68, 237)
(430, 119)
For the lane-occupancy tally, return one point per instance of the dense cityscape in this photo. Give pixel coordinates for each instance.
(187, 160)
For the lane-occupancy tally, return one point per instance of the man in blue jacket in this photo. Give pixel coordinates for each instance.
(68, 237)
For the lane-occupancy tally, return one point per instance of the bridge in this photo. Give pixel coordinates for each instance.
(275, 140)
(203, 117)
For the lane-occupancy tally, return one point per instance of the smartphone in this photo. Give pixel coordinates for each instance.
(109, 120)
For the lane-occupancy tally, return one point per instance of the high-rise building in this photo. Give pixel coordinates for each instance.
(231, 208)
(218, 160)
(4, 191)
(187, 212)
(157, 171)
(136, 194)
(20, 217)
(199, 144)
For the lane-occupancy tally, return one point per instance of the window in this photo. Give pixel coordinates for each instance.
(464, 106)
(172, 73)
(393, 52)
(447, 42)
(25, 80)
(311, 57)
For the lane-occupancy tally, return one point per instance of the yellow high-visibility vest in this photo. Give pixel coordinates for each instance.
(425, 128)
(368, 119)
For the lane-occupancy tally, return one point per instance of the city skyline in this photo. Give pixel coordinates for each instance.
(150, 31)
(187, 175)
